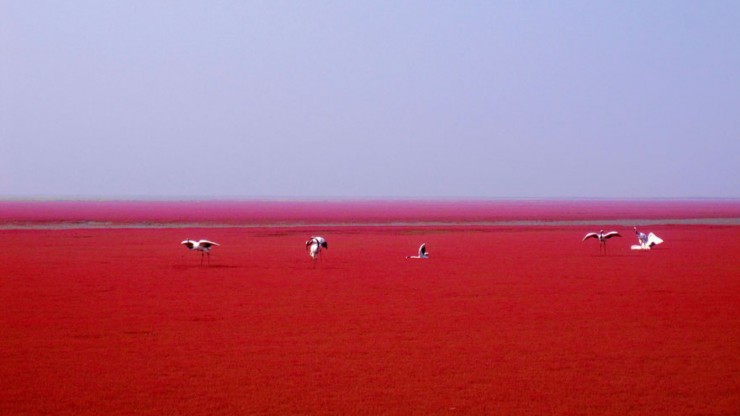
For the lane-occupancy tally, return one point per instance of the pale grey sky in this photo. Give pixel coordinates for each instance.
(373, 99)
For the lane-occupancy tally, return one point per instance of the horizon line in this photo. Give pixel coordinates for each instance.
(361, 199)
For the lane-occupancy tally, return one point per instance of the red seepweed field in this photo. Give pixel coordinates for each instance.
(104, 312)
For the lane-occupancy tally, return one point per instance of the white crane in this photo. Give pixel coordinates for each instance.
(314, 246)
(423, 254)
(204, 246)
(646, 242)
(602, 237)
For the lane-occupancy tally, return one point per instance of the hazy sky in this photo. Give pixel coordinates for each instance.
(373, 99)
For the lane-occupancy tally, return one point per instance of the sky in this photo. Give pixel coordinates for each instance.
(369, 99)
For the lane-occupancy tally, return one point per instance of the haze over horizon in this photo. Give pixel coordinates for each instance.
(369, 100)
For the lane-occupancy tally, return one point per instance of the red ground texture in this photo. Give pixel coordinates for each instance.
(500, 320)
(291, 212)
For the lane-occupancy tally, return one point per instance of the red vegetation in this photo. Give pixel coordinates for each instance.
(292, 212)
(500, 320)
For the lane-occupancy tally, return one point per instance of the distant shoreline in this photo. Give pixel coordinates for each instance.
(320, 199)
(370, 213)
(455, 225)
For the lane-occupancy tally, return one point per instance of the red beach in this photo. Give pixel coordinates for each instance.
(103, 312)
